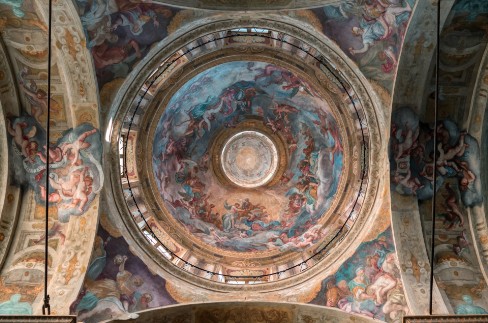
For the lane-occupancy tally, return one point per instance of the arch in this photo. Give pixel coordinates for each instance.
(251, 312)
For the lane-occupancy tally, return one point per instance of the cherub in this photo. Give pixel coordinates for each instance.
(275, 125)
(408, 181)
(28, 147)
(456, 151)
(53, 197)
(409, 142)
(55, 154)
(36, 96)
(82, 190)
(285, 178)
(308, 237)
(66, 188)
(462, 243)
(467, 178)
(78, 144)
(442, 161)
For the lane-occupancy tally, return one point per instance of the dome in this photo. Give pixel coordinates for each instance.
(239, 174)
(248, 157)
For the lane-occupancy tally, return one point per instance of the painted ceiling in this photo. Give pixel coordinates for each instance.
(251, 156)
(237, 164)
(242, 96)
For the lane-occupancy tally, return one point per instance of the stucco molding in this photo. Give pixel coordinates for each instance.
(476, 126)
(412, 256)
(417, 55)
(9, 96)
(248, 5)
(74, 61)
(78, 80)
(9, 104)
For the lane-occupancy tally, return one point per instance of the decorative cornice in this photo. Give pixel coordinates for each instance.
(248, 5)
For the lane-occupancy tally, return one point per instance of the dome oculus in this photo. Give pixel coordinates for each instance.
(249, 159)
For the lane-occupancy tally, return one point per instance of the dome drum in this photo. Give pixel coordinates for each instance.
(292, 124)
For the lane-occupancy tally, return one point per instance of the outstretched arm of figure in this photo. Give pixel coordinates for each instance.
(11, 130)
(42, 157)
(55, 184)
(359, 51)
(65, 147)
(37, 101)
(122, 265)
(86, 134)
(29, 92)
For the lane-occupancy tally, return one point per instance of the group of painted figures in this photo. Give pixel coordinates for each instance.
(181, 158)
(380, 19)
(457, 169)
(458, 183)
(369, 285)
(377, 30)
(412, 154)
(121, 32)
(75, 172)
(107, 295)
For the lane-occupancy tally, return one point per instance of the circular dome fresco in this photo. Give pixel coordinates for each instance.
(248, 157)
(243, 163)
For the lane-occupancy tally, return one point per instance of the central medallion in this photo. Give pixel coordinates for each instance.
(249, 159)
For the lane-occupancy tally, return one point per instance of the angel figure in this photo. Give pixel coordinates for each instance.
(78, 144)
